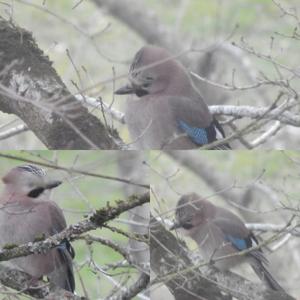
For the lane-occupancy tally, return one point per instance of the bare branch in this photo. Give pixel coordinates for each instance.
(92, 222)
(240, 111)
(20, 281)
(31, 89)
(177, 271)
(55, 166)
(140, 285)
(95, 103)
(13, 131)
(266, 135)
(243, 111)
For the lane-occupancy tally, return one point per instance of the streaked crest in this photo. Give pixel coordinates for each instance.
(33, 169)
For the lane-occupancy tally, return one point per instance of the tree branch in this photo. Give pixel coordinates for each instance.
(74, 170)
(237, 111)
(96, 220)
(140, 285)
(20, 281)
(202, 168)
(31, 89)
(244, 111)
(13, 131)
(170, 259)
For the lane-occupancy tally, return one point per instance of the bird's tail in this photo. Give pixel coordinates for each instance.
(221, 132)
(67, 253)
(263, 273)
(62, 275)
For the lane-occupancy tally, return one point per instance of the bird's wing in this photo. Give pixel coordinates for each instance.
(193, 118)
(235, 232)
(241, 238)
(57, 218)
(194, 112)
(63, 275)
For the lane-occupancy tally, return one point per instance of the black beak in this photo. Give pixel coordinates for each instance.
(175, 226)
(127, 89)
(53, 184)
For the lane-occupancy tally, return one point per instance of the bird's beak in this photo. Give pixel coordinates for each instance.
(175, 226)
(127, 89)
(52, 184)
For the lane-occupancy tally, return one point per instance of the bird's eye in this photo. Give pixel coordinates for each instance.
(147, 84)
(187, 225)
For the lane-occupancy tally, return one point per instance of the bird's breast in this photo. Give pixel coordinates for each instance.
(150, 122)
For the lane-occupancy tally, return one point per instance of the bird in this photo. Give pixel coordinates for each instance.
(26, 215)
(219, 232)
(164, 109)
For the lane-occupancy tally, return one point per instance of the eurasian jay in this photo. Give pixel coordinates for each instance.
(165, 111)
(219, 232)
(27, 214)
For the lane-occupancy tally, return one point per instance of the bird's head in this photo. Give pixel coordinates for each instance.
(190, 212)
(28, 180)
(151, 72)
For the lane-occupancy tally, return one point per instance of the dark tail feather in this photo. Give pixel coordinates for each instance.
(225, 146)
(62, 275)
(66, 253)
(222, 147)
(263, 273)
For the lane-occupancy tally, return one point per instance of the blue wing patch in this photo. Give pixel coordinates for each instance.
(240, 244)
(198, 135)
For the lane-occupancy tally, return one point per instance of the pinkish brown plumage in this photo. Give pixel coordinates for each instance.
(26, 214)
(164, 110)
(218, 232)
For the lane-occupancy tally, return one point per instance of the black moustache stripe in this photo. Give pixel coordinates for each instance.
(35, 193)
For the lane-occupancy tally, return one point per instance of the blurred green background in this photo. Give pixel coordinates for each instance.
(80, 195)
(102, 46)
(277, 169)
